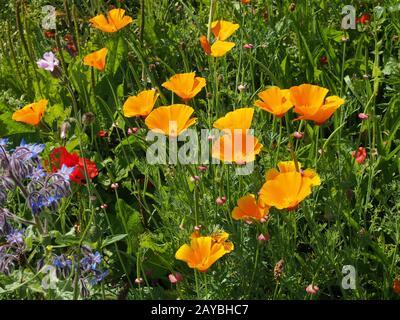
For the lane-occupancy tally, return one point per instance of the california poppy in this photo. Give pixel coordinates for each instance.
(360, 155)
(96, 59)
(115, 20)
(275, 100)
(170, 120)
(185, 85)
(245, 1)
(141, 104)
(310, 103)
(238, 119)
(286, 188)
(217, 49)
(203, 252)
(248, 208)
(222, 29)
(236, 146)
(32, 113)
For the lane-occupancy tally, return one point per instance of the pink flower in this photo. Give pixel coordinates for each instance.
(363, 116)
(202, 168)
(175, 278)
(311, 289)
(263, 237)
(48, 62)
(248, 46)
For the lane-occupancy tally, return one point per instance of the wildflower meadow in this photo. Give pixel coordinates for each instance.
(199, 150)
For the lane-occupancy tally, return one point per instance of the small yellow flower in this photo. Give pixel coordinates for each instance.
(115, 20)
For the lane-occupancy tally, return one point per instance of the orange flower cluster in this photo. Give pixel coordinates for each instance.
(309, 101)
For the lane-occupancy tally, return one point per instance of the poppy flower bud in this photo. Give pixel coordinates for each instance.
(114, 186)
(88, 118)
(202, 168)
(65, 126)
(139, 281)
(311, 289)
(363, 116)
(210, 137)
(175, 278)
(298, 135)
(345, 39)
(104, 206)
(241, 87)
(292, 7)
(264, 220)
(263, 237)
(278, 269)
(198, 228)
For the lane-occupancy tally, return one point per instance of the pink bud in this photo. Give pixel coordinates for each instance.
(248, 46)
(263, 237)
(363, 116)
(220, 201)
(264, 220)
(114, 186)
(298, 135)
(210, 137)
(104, 206)
(202, 168)
(194, 178)
(139, 281)
(175, 278)
(198, 228)
(132, 131)
(311, 289)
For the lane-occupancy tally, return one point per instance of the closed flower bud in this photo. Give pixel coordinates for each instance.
(114, 186)
(88, 118)
(263, 237)
(65, 126)
(175, 278)
(298, 135)
(363, 116)
(311, 289)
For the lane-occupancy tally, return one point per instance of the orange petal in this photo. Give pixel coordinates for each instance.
(238, 119)
(96, 59)
(32, 113)
(222, 29)
(141, 104)
(220, 48)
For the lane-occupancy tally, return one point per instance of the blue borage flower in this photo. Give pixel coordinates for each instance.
(15, 237)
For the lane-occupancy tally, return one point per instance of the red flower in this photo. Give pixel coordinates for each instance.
(102, 134)
(361, 155)
(49, 34)
(60, 156)
(364, 19)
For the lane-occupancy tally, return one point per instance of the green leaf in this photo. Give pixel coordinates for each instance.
(9, 127)
(106, 242)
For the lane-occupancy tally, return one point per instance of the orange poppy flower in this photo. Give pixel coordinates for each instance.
(222, 29)
(246, 1)
(248, 208)
(310, 103)
(185, 85)
(275, 101)
(96, 59)
(286, 188)
(32, 113)
(115, 20)
(170, 120)
(238, 119)
(203, 252)
(141, 104)
(218, 49)
(236, 146)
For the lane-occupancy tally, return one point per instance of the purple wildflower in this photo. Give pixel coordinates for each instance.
(16, 237)
(49, 62)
